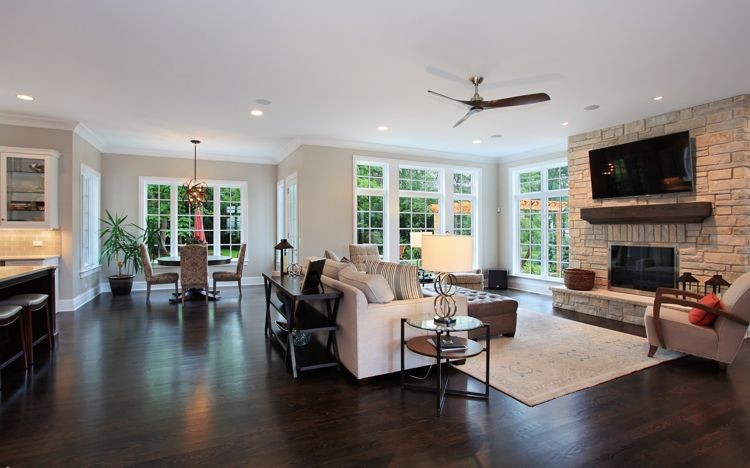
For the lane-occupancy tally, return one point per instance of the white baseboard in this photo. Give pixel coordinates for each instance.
(71, 305)
(141, 285)
(532, 285)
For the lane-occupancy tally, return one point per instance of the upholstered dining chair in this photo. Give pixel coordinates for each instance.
(359, 254)
(670, 328)
(232, 275)
(151, 278)
(194, 268)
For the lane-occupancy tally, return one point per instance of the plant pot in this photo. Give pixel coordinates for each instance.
(579, 280)
(121, 285)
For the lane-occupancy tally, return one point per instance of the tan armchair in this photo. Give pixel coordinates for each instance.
(194, 268)
(151, 278)
(669, 328)
(232, 275)
(359, 254)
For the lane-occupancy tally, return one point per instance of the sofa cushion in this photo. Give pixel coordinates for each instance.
(403, 279)
(330, 268)
(330, 255)
(361, 253)
(375, 287)
(700, 317)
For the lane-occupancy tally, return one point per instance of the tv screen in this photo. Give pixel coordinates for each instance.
(647, 167)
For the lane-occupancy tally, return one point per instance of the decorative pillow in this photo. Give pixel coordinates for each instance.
(700, 317)
(403, 279)
(330, 255)
(332, 269)
(374, 287)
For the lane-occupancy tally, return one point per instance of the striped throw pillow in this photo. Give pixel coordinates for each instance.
(403, 279)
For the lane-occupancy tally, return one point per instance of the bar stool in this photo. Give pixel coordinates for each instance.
(9, 314)
(29, 304)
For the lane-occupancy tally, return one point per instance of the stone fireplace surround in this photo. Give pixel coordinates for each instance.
(720, 244)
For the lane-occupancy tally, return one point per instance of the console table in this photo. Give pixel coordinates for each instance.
(302, 313)
(421, 345)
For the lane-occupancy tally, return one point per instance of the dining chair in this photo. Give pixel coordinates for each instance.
(194, 268)
(232, 275)
(151, 278)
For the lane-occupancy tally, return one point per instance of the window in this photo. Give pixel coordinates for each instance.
(90, 201)
(419, 208)
(542, 216)
(394, 198)
(221, 216)
(370, 205)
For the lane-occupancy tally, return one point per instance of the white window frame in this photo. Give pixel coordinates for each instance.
(444, 196)
(143, 181)
(90, 184)
(473, 198)
(373, 192)
(544, 195)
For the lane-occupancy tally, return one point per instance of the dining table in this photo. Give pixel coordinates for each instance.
(195, 294)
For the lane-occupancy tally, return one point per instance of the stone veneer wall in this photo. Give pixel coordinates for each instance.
(721, 244)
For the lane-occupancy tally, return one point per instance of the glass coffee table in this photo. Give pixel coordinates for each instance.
(445, 347)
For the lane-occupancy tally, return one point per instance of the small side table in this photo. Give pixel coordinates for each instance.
(421, 346)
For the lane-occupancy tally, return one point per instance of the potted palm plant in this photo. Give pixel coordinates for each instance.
(120, 246)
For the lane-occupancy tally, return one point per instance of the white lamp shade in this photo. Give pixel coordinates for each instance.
(415, 238)
(447, 253)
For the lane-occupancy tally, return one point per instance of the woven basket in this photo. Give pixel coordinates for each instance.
(580, 280)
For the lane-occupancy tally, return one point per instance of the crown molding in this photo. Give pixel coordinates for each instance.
(381, 148)
(541, 151)
(127, 151)
(92, 138)
(28, 120)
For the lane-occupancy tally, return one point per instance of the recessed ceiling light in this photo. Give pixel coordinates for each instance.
(658, 98)
(256, 112)
(24, 97)
(564, 124)
(591, 107)
(476, 142)
(263, 102)
(496, 135)
(382, 128)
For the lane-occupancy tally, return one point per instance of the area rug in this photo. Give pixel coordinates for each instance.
(550, 357)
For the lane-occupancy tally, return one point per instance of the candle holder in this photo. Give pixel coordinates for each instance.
(716, 282)
(282, 247)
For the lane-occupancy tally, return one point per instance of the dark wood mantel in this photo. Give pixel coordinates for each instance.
(663, 213)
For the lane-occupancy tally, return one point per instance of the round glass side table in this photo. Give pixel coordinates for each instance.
(445, 347)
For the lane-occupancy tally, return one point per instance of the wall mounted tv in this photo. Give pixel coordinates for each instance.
(664, 164)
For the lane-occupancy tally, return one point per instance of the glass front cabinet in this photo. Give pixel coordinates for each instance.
(28, 188)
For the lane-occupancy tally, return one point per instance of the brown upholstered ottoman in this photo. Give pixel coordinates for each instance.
(499, 311)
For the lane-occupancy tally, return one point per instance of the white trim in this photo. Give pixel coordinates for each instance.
(71, 305)
(91, 138)
(86, 272)
(122, 151)
(32, 151)
(88, 172)
(36, 121)
(532, 285)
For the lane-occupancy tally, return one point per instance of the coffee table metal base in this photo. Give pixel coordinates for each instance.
(196, 295)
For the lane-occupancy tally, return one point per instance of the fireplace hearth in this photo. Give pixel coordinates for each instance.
(641, 269)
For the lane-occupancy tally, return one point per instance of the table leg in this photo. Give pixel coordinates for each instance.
(267, 288)
(487, 362)
(403, 342)
(439, 374)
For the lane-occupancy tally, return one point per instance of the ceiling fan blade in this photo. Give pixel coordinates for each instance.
(471, 112)
(467, 103)
(516, 101)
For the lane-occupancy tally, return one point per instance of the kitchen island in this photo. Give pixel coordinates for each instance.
(22, 280)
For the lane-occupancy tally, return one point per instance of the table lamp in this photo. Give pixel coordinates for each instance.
(445, 255)
(282, 246)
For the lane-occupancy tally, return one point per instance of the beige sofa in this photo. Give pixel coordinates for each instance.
(369, 335)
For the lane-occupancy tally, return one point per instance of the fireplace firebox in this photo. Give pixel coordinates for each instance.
(641, 269)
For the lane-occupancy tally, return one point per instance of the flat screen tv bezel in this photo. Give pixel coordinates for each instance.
(691, 145)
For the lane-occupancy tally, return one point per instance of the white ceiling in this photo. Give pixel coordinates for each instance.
(147, 76)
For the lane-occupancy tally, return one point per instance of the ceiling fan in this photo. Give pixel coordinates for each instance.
(477, 103)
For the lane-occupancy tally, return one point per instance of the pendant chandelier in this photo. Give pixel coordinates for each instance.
(195, 190)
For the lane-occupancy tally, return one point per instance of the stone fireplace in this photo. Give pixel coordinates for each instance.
(720, 244)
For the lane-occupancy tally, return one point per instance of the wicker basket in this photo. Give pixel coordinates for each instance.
(580, 280)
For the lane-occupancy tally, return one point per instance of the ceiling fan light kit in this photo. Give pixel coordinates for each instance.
(478, 104)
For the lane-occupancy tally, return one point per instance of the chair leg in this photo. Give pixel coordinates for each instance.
(148, 292)
(652, 350)
(176, 290)
(183, 296)
(22, 325)
(29, 336)
(239, 286)
(50, 334)
(206, 295)
(214, 287)
(723, 365)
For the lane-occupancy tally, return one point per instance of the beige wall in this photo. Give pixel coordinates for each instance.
(325, 177)
(120, 175)
(61, 141)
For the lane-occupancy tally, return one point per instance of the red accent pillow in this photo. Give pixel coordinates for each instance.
(701, 317)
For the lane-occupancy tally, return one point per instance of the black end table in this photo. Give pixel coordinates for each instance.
(421, 345)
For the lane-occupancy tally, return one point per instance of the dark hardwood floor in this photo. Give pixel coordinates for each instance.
(163, 385)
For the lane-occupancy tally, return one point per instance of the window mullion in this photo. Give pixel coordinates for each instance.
(173, 249)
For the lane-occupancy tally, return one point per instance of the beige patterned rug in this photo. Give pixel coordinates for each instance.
(550, 357)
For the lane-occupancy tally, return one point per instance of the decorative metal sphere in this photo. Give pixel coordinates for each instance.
(295, 269)
(195, 193)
